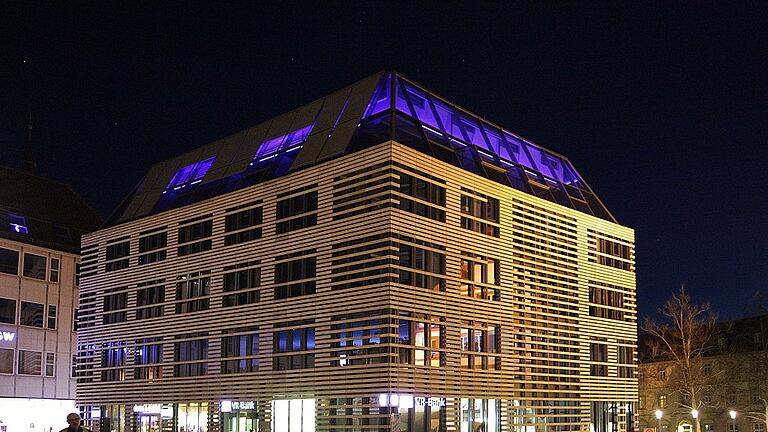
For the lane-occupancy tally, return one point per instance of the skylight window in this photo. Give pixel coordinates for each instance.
(190, 174)
(18, 224)
(288, 142)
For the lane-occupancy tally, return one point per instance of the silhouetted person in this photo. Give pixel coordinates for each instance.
(73, 419)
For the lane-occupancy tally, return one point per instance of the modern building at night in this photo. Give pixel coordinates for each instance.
(379, 259)
(41, 222)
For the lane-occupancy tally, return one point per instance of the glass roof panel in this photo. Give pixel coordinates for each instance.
(190, 174)
(380, 100)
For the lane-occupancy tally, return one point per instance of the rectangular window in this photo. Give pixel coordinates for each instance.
(621, 252)
(50, 364)
(150, 296)
(54, 276)
(115, 252)
(610, 299)
(114, 302)
(113, 360)
(75, 319)
(481, 213)
(290, 341)
(662, 401)
(31, 314)
(7, 311)
(190, 287)
(245, 347)
(478, 270)
(191, 351)
(294, 206)
(6, 361)
(758, 427)
(427, 340)
(9, 261)
(243, 219)
(295, 271)
(241, 280)
(30, 363)
(598, 352)
(194, 232)
(151, 244)
(147, 358)
(51, 317)
(425, 191)
(423, 260)
(34, 266)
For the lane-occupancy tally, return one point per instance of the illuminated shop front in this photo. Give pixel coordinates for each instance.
(293, 415)
(152, 417)
(238, 416)
(33, 415)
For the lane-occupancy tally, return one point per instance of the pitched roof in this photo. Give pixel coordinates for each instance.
(382, 107)
(43, 212)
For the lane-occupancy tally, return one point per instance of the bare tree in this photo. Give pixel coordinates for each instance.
(685, 333)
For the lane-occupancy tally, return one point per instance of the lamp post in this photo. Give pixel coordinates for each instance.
(732, 413)
(659, 414)
(695, 415)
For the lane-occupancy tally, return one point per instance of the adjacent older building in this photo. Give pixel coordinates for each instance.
(41, 222)
(731, 378)
(379, 259)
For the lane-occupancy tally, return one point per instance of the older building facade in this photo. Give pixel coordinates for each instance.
(376, 260)
(731, 377)
(40, 226)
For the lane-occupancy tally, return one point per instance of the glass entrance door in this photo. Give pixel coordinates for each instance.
(149, 423)
(242, 421)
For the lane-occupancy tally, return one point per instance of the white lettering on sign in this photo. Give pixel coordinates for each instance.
(243, 405)
(7, 336)
(149, 409)
(430, 402)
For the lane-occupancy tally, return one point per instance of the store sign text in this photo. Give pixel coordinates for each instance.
(7, 336)
(229, 406)
(430, 402)
(150, 409)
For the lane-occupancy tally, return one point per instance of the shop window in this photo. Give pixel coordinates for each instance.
(34, 266)
(480, 414)
(51, 322)
(6, 361)
(31, 314)
(195, 350)
(193, 417)
(50, 364)
(290, 341)
(114, 308)
(147, 357)
(54, 276)
(243, 346)
(30, 363)
(295, 271)
(294, 415)
(476, 271)
(189, 288)
(241, 280)
(7, 311)
(9, 261)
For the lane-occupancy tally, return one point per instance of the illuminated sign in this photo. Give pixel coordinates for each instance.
(7, 336)
(408, 401)
(151, 408)
(229, 406)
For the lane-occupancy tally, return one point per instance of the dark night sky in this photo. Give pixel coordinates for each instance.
(661, 107)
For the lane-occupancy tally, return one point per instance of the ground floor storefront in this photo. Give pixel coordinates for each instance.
(34, 415)
(393, 412)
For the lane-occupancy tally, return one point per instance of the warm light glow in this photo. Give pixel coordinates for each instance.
(732, 413)
(695, 413)
(659, 413)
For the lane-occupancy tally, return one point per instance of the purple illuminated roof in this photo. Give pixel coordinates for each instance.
(275, 145)
(190, 174)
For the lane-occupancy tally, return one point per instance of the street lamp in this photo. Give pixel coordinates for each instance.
(695, 415)
(659, 414)
(732, 413)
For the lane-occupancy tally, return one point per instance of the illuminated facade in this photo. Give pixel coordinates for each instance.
(379, 259)
(40, 226)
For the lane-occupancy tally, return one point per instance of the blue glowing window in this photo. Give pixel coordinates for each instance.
(17, 223)
(289, 141)
(190, 174)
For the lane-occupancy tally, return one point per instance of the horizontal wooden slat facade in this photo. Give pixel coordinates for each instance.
(542, 311)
